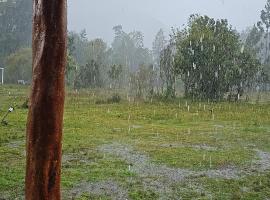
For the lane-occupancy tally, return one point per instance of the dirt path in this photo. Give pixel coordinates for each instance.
(161, 178)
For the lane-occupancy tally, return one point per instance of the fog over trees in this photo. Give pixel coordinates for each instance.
(205, 59)
(145, 99)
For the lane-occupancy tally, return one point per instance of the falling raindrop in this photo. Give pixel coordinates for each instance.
(194, 66)
(201, 47)
(214, 48)
(242, 49)
(216, 74)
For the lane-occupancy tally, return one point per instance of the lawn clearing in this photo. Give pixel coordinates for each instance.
(144, 150)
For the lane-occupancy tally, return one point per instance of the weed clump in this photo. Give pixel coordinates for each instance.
(25, 104)
(113, 99)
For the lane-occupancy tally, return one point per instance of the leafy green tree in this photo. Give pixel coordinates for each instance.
(96, 50)
(71, 69)
(167, 69)
(19, 66)
(158, 45)
(253, 39)
(128, 49)
(115, 75)
(89, 76)
(15, 26)
(141, 81)
(265, 18)
(265, 21)
(211, 59)
(258, 41)
(72, 65)
(77, 46)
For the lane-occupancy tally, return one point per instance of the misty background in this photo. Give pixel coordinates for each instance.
(212, 49)
(99, 16)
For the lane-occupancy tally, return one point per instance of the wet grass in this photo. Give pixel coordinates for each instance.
(204, 137)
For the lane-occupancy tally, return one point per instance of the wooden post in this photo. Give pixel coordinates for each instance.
(45, 117)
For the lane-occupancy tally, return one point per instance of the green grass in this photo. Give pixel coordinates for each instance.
(166, 132)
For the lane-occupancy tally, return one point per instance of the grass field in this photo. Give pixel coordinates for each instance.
(147, 150)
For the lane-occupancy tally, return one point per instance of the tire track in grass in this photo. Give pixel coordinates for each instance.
(160, 178)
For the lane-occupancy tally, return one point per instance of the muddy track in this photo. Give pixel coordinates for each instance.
(160, 178)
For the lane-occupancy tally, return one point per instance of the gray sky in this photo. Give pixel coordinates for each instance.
(99, 16)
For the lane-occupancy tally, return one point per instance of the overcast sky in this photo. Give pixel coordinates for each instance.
(99, 16)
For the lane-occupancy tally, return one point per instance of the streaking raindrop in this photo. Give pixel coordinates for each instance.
(242, 49)
(194, 66)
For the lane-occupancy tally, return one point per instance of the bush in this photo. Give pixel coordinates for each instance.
(114, 99)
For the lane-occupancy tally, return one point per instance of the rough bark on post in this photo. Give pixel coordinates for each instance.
(45, 117)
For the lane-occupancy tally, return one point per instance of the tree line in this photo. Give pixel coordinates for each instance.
(207, 59)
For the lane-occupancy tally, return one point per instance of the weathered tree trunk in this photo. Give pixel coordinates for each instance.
(45, 117)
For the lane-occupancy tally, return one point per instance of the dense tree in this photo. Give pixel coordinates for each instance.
(167, 69)
(128, 50)
(211, 59)
(114, 74)
(15, 26)
(158, 45)
(71, 69)
(89, 76)
(265, 19)
(77, 46)
(19, 66)
(258, 41)
(141, 84)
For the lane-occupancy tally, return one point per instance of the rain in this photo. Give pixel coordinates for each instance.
(152, 99)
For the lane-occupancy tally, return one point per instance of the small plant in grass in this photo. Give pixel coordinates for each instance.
(113, 99)
(25, 104)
